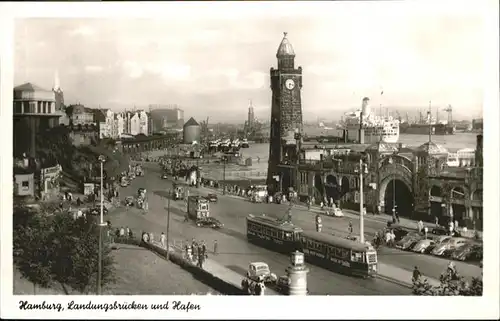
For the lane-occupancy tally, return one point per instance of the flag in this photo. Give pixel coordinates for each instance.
(381, 93)
(428, 116)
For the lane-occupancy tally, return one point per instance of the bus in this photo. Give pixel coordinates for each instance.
(273, 234)
(340, 254)
(198, 207)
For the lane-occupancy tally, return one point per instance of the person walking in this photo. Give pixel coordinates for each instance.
(350, 228)
(122, 232)
(416, 274)
(163, 240)
(215, 247)
(426, 231)
(127, 231)
(420, 226)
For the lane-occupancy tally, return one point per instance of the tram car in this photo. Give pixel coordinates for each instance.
(277, 235)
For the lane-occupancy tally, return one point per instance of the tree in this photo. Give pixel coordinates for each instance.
(450, 285)
(60, 249)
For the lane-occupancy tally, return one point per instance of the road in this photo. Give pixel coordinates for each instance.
(234, 251)
(428, 265)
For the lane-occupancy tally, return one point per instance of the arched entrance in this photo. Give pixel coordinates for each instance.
(344, 188)
(436, 206)
(398, 195)
(331, 188)
(458, 211)
(319, 188)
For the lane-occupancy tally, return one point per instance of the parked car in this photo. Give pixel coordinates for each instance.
(335, 212)
(422, 245)
(399, 232)
(209, 222)
(468, 252)
(450, 244)
(407, 242)
(259, 271)
(439, 230)
(437, 241)
(212, 198)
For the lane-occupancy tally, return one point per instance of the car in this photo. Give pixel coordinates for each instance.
(164, 176)
(468, 252)
(407, 242)
(97, 211)
(129, 201)
(283, 285)
(449, 244)
(336, 212)
(209, 222)
(437, 241)
(439, 230)
(399, 232)
(422, 245)
(212, 198)
(259, 272)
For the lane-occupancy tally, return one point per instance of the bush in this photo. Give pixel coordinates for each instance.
(450, 285)
(56, 248)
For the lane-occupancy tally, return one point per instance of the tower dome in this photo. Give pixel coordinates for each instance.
(285, 49)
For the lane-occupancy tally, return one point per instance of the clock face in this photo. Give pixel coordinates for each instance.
(289, 84)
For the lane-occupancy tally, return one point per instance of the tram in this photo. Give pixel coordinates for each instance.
(273, 234)
(339, 254)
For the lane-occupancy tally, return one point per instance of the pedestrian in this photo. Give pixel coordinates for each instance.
(426, 230)
(321, 205)
(127, 231)
(331, 201)
(349, 228)
(379, 209)
(204, 249)
(416, 274)
(393, 238)
(215, 247)
(130, 234)
(117, 232)
(151, 237)
(200, 256)
(420, 226)
(122, 232)
(397, 216)
(456, 225)
(450, 228)
(436, 221)
(78, 201)
(163, 240)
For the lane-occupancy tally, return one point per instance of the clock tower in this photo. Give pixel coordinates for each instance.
(286, 118)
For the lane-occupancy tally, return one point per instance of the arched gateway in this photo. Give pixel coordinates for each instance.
(396, 185)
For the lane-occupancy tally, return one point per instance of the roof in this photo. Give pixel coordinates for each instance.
(191, 122)
(271, 221)
(328, 238)
(285, 48)
(432, 148)
(383, 147)
(30, 87)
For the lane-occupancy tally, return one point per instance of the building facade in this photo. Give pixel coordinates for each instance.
(413, 182)
(286, 117)
(80, 115)
(33, 112)
(166, 117)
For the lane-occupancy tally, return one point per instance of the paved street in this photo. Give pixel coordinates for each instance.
(235, 251)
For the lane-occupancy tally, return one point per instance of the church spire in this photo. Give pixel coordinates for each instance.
(285, 54)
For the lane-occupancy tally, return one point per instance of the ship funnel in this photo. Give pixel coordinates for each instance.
(365, 107)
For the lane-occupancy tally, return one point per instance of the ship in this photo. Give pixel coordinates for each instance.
(376, 128)
(423, 129)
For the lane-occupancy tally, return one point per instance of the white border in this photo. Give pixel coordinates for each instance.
(216, 307)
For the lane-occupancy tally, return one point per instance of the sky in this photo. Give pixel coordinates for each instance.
(211, 65)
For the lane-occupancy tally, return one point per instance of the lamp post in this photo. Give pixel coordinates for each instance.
(102, 159)
(362, 170)
(224, 175)
(168, 225)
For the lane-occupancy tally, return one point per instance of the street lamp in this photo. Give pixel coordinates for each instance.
(362, 169)
(224, 175)
(168, 224)
(102, 160)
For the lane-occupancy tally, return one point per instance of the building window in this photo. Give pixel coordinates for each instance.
(26, 107)
(25, 185)
(39, 107)
(44, 107)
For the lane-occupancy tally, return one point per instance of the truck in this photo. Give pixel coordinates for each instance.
(198, 207)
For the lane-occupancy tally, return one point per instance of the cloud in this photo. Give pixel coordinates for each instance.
(93, 69)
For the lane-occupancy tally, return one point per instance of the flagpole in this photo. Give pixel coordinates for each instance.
(429, 120)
